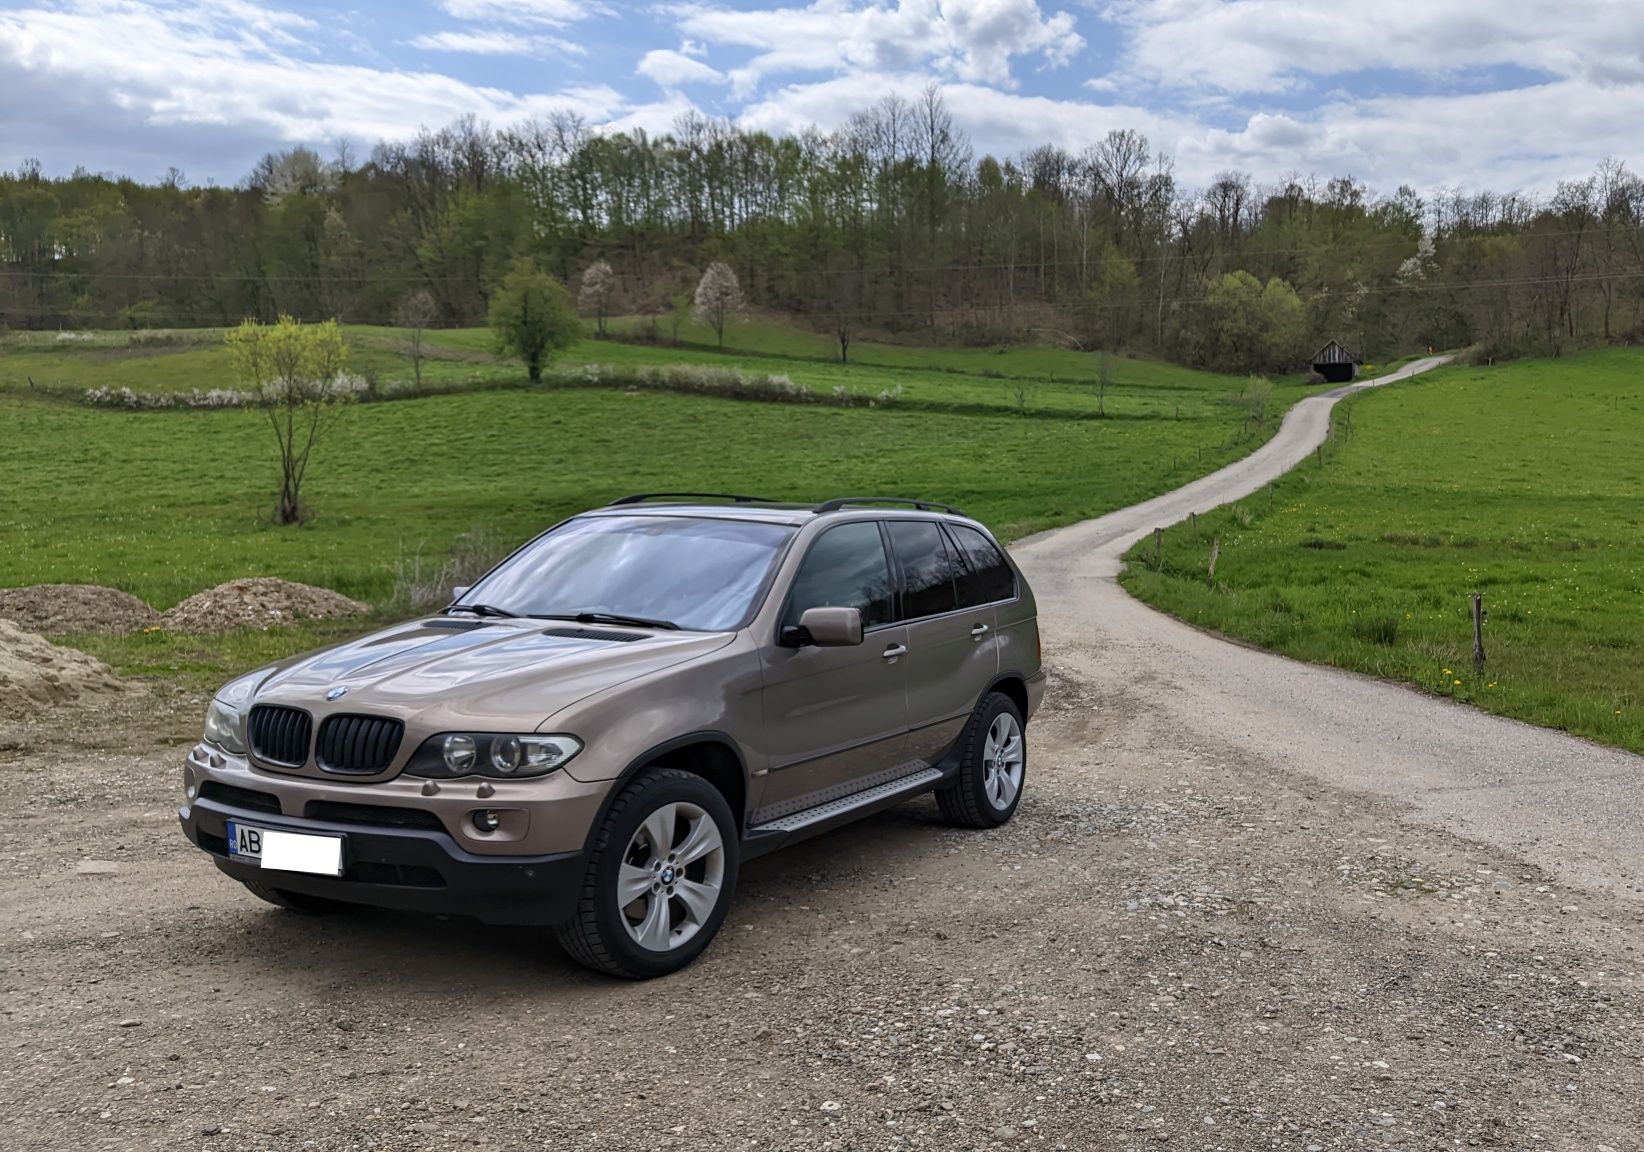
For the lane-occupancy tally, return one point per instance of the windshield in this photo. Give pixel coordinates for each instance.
(697, 574)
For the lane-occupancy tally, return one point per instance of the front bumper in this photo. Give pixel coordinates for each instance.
(414, 869)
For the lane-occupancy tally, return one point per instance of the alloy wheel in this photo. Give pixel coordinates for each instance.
(1004, 756)
(671, 876)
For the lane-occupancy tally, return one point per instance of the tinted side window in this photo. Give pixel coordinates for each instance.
(987, 578)
(927, 568)
(845, 568)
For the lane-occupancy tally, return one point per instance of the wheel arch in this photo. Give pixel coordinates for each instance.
(1014, 686)
(709, 754)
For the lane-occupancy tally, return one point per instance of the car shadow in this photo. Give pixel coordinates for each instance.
(426, 955)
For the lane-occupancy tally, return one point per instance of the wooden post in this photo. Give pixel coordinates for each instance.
(1193, 519)
(1158, 548)
(1478, 632)
(1215, 555)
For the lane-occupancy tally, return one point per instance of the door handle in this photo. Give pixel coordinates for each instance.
(894, 651)
(977, 631)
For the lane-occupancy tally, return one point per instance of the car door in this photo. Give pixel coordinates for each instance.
(951, 654)
(836, 719)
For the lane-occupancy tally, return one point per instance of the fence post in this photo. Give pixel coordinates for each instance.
(1158, 549)
(1478, 632)
(1215, 555)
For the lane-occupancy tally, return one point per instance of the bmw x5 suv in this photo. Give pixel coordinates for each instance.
(599, 732)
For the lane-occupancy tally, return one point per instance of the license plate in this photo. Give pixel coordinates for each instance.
(285, 851)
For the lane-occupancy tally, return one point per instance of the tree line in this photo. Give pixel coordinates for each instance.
(892, 223)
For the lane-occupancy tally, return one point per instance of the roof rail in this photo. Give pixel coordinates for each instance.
(851, 501)
(643, 497)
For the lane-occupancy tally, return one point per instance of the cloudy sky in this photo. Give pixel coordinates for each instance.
(1497, 93)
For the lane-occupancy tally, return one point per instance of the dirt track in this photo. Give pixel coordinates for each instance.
(1190, 937)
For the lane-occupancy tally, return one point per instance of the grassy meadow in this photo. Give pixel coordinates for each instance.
(163, 503)
(1524, 482)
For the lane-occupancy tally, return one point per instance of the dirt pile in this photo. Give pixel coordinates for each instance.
(36, 674)
(59, 608)
(260, 602)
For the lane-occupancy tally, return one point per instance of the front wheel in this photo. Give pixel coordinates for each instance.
(992, 766)
(659, 878)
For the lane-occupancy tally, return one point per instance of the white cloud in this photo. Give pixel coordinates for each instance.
(972, 40)
(496, 43)
(556, 13)
(673, 69)
(1252, 46)
(210, 95)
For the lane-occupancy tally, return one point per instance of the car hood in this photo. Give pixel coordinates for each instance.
(480, 674)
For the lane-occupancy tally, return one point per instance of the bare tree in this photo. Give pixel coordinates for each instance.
(718, 298)
(415, 313)
(598, 293)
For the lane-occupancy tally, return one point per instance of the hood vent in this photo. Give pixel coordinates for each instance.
(593, 634)
(455, 625)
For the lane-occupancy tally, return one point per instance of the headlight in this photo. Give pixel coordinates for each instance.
(225, 718)
(225, 727)
(503, 755)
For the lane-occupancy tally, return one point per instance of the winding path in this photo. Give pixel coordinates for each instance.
(1555, 800)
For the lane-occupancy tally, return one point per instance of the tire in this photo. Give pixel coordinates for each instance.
(292, 901)
(986, 791)
(678, 905)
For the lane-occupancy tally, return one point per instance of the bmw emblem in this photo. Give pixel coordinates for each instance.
(336, 693)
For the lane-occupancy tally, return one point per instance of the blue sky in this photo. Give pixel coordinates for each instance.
(1433, 93)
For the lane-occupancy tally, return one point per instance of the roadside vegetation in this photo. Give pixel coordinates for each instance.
(1524, 483)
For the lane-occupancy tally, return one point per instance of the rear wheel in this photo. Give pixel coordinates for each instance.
(992, 766)
(659, 878)
(292, 901)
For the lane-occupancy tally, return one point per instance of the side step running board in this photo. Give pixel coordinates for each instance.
(799, 821)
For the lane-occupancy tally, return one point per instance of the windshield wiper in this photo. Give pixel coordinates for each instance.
(482, 610)
(607, 618)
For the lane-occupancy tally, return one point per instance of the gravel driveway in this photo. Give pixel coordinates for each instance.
(1214, 924)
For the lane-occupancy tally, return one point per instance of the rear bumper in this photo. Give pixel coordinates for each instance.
(407, 868)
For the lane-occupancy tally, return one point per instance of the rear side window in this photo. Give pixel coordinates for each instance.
(845, 568)
(927, 568)
(986, 577)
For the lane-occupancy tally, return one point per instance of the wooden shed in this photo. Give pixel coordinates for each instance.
(1335, 363)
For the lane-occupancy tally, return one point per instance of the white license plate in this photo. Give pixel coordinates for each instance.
(285, 851)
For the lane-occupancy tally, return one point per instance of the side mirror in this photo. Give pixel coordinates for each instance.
(825, 628)
(459, 591)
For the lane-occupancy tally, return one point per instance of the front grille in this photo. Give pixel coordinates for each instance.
(380, 815)
(280, 735)
(358, 745)
(240, 797)
(400, 875)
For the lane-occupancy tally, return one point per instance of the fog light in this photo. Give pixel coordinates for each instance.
(191, 792)
(486, 820)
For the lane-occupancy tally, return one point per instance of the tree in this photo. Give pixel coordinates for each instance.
(297, 372)
(533, 316)
(718, 298)
(415, 313)
(1104, 381)
(598, 294)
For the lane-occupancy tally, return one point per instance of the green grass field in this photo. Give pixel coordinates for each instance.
(1040, 380)
(1524, 482)
(165, 503)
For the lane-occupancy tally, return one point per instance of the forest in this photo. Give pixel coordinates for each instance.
(891, 226)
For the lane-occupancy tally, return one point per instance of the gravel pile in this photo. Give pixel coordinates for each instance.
(60, 608)
(37, 674)
(260, 602)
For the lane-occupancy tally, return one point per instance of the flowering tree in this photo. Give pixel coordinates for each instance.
(598, 294)
(718, 298)
(297, 372)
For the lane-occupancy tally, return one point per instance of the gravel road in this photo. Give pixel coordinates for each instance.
(1222, 919)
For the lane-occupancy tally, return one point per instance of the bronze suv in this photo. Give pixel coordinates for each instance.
(601, 730)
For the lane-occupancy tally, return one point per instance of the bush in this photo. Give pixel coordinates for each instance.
(421, 586)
